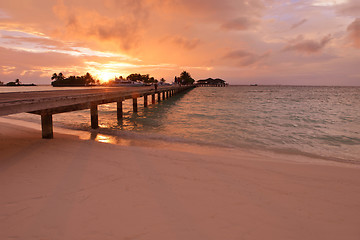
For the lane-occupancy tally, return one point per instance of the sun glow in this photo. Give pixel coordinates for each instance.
(105, 76)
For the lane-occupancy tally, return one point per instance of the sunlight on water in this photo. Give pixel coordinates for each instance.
(110, 139)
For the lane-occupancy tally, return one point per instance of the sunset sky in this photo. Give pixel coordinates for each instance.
(294, 42)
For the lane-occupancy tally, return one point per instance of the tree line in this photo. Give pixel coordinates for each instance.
(16, 83)
(88, 80)
(61, 80)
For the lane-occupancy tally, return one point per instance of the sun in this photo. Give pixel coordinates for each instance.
(105, 76)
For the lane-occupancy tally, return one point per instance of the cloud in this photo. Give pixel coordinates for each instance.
(3, 14)
(85, 23)
(245, 58)
(211, 8)
(34, 65)
(295, 25)
(354, 32)
(349, 8)
(307, 46)
(240, 24)
(188, 44)
(327, 3)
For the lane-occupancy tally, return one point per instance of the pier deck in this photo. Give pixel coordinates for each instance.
(47, 103)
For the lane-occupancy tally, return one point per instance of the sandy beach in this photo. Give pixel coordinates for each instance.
(70, 188)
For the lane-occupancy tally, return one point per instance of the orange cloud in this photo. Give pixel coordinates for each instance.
(103, 25)
(354, 32)
(187, 43)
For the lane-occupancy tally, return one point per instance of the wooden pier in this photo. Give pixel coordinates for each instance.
(47, 103)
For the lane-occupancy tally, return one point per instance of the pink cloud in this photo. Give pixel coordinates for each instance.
(240, 23)
(307, 46)
(295, 25)
(349, 8)
(245, 58)
(354, 32)
(35, 66)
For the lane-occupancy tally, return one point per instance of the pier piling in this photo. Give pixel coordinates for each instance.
(94, 116)
(135, 108)
(47, 126)
(145, 100)
(48, 103)
(119, 110)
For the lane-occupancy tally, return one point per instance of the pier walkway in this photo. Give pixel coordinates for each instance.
(47, 103)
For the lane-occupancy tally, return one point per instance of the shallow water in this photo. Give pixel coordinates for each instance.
(314, 121)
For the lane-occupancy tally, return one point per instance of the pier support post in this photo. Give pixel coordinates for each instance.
(153, 99)
(145, 100)
(159, 97)
(94, 116)
(135, 109)
(47, 126)
(119, 110)
(163, 95)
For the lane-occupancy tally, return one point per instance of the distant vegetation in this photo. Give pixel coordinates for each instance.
(184, 79)
(211, 81)
(136, 77)
(88, 80)
(16, 83)
(73, 81)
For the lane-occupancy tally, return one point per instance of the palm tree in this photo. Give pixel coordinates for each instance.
(57, 77)
(54, 76)
(89, 79)
(185, 78)
(60, 77)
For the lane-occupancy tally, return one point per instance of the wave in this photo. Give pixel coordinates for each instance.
(146, 136)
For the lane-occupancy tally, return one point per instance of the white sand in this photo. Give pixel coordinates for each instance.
(68, 188)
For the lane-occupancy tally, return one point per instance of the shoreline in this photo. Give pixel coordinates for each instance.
(164, 142)
(69, 188)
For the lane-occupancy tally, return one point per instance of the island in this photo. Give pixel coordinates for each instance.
(16, 83)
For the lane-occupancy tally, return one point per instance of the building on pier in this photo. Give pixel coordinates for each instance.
(210, 82)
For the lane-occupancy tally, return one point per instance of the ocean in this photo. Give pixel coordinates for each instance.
(321, 122)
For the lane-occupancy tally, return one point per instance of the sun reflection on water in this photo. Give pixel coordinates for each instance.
(111, 139)
(105, 139)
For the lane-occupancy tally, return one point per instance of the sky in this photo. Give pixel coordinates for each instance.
(288, 42)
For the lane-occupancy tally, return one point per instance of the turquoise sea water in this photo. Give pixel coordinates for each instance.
(314, 121)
